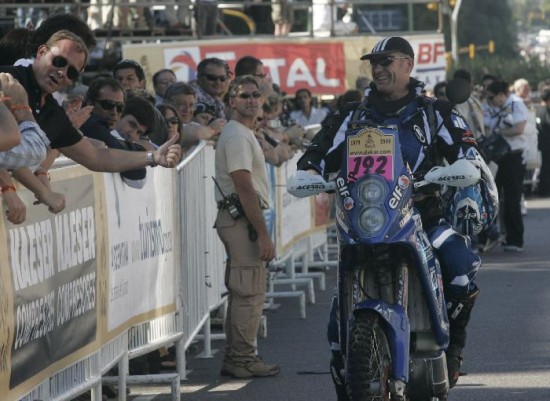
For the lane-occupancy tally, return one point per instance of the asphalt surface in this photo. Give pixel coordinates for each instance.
(507, 357)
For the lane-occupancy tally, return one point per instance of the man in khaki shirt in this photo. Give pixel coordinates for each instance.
(240, 170)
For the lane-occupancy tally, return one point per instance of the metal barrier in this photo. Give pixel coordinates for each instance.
(200, 280)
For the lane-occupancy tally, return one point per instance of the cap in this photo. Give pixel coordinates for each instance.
(390, 45)
(201, 107)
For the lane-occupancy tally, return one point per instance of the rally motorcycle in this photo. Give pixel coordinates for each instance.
(392, 317)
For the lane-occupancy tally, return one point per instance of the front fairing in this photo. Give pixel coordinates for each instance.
(374, 188)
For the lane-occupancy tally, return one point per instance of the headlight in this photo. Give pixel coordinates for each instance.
(372, 191)
(372, 219)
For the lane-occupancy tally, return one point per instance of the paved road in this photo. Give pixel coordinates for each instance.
(507, 356)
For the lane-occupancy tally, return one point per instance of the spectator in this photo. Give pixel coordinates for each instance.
(507, 116)
(173, 121)
(439, 90)
(162, 79)
(32, 143)
(531, 156)
(157, 124)
(203, 114)
(543, 126)
(282, 15)
(212, 83)
(471, 109)
(362, 83)
(240, 169)
(182, 96)
(326, 18)
(9, 130)
(492, 236)
(207, 17)
(58, 64)
(137, 117)
(68, 22)
(269, 130)
(108, 100)
(130, 74)
(14, 44)
(249, 65)
(523, 90)
(306, 114)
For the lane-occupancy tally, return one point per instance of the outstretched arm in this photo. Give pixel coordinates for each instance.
(116, 160)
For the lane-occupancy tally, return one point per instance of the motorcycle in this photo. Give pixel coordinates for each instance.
(392, 317)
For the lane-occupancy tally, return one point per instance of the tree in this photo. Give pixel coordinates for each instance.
(481, 21)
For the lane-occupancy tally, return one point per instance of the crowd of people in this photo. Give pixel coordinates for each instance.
(114, 124)
(494, 109)
(202, 18)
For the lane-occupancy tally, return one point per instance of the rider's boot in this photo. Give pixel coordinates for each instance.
(337, 373)
(458, 311)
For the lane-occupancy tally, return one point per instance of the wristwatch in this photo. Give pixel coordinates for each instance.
(150, 159)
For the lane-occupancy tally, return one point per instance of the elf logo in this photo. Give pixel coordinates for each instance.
(396, 196)
(342, 187)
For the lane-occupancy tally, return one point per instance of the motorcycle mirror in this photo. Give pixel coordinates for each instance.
(457, 90)
(461, 173)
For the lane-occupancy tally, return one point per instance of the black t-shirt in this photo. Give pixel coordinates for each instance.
(97, 127)
(51, 117)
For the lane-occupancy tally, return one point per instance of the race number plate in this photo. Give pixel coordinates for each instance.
(370, 151)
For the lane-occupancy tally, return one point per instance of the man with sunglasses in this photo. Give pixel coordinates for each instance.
(107, 98)
(241, 171)
(212, 83)
(58, 64)
(395, 99)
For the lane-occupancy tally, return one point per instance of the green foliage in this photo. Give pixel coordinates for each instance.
(481, 21)
(508, 68)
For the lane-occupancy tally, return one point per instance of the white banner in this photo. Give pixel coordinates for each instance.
(141, 242)
(294, 215)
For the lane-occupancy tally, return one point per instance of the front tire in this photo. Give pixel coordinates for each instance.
(369, 359)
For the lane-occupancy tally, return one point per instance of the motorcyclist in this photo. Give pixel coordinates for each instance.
(429, 131)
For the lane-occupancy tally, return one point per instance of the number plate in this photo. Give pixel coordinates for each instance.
(370, 151)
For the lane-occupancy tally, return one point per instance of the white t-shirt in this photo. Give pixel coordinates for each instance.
(512, 112)
(316, 117)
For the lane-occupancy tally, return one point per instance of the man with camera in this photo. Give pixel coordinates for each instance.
(242, 192)
(506, 115)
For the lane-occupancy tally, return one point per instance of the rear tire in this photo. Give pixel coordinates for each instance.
(369, 359)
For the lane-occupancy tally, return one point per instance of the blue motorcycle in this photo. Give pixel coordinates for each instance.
(392, 317)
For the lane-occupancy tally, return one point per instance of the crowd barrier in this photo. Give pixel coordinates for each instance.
(124, 271)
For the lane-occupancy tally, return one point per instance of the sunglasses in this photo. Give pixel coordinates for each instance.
(385, 61)
(109, 105)
(61, 62)
(212, 77)
(172, 120)
(246, 96)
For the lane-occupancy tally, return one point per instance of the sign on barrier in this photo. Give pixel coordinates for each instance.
(49, 301)
(72, 281)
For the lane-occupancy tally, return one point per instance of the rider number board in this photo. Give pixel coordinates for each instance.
(370, 151)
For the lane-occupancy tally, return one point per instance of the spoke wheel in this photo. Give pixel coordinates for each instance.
(369, 360)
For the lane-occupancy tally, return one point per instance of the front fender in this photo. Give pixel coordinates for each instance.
(397, 331)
